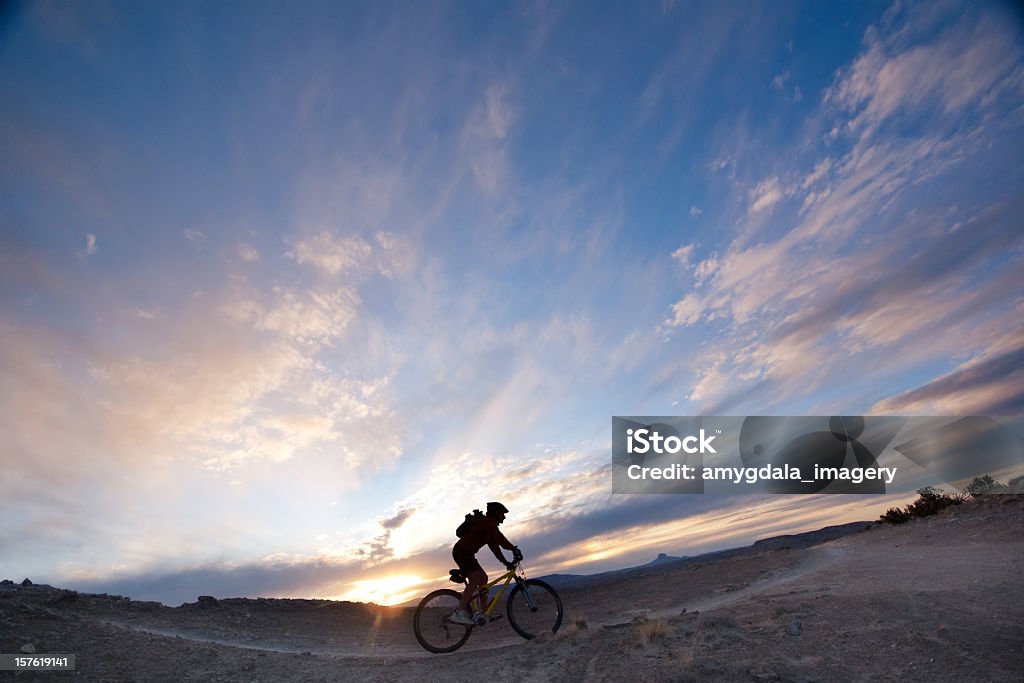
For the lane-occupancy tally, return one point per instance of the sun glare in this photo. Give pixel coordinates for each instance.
(389, 590)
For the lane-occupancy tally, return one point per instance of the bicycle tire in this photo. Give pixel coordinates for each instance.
(532, 623)
(431, 626)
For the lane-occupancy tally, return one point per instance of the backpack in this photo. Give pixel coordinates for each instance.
(470, 524)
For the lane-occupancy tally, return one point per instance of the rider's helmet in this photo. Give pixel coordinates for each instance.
(495, 508)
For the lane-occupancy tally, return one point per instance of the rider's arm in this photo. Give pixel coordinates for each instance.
(496, 539)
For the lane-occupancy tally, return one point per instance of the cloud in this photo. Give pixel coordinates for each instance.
(686, 311)
(248, 253)
(330, 253)
(484, 138)
(194, 235)
(819, 173)
(779, 82)
(90, 247)
(713, 381)
(991, 384)
(306, 316)
(695, 211)
(833, 283)
(234, 377)
(969, 62)
(767, 194)
(682, 255)
(498, 113)
(218, 398)
(706, 268)
(398, 519)
(274, 578)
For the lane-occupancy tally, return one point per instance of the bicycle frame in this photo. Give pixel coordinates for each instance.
(509, 576)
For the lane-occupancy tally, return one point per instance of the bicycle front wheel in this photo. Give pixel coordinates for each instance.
(534, 608)
(431, 626)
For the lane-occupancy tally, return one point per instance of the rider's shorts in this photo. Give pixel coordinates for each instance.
(466, 560)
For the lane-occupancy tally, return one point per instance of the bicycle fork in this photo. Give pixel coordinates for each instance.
(526, 594)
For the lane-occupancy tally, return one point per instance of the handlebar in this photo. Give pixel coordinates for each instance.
(517, 557)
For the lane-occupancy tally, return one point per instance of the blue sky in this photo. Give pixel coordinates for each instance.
(286, 290)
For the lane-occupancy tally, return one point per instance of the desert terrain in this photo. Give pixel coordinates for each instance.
(935, 599)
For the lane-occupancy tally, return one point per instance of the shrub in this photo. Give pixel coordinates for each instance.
(985, 485)
(895, 516)
(930, 500)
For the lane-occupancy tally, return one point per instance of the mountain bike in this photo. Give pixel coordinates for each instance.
(533, 608)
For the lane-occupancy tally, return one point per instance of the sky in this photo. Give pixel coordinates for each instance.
(287, 289)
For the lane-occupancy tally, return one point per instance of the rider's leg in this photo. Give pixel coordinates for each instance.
(476, 579)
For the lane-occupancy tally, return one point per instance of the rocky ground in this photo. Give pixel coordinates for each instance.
(934, 599)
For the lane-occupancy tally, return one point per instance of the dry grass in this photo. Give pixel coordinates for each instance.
(575, 623)
(650, 631)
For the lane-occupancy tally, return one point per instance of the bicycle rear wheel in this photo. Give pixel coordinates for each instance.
(431, 626)
(535, 614)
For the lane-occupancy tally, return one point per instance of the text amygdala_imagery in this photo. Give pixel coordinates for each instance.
(807, 454)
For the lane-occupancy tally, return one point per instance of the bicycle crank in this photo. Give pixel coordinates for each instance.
(481, 619)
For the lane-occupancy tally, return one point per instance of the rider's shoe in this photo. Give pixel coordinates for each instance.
(460, 617)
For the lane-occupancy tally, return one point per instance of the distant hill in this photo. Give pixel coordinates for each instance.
(662, 558)
(809, 538)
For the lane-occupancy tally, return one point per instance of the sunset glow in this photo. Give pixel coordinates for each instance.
(390, 590)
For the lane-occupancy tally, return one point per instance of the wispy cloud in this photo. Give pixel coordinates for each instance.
(831, 287)
(970, 64)
(767, 194)
(484, 138)
(682, 255)
(990, 384)
(248, 253)
(90, 247)
(330, 253)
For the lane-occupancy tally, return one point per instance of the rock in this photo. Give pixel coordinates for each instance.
(26, 582)
(794, 628)
(207, 601)
(64, 597)
(28, 649)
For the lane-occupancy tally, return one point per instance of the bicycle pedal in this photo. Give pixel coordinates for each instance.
(494, 617)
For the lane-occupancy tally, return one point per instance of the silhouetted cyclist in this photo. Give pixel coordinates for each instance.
(483, 532)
